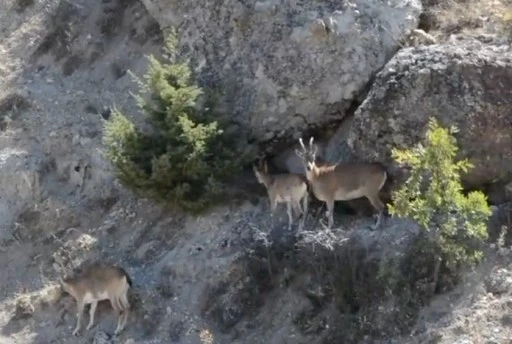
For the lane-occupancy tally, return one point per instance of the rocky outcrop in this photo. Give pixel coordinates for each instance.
(284, 67)
(466, 85)
(19, 182)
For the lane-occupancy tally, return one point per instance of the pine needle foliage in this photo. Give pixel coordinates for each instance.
(433, 196)
(187, 157)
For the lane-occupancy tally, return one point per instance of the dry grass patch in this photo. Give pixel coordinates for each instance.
(469, 17)
(206, 336)
(49, 295)
(26, 304)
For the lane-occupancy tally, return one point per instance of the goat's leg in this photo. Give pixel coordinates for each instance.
(126, 311)
(379, 206)
(118, 309)
(273, 206)
(297, 209)
(304, 212)
(79, 313)
(92, 311)
(329, 213)
(300, 214)
(290, 215)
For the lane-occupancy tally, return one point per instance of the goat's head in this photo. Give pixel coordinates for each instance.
(307, 155)
(260, 170)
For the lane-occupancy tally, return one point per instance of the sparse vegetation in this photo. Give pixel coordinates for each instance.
(49, 295)
(11, 106)
(26, 303)
(24, 306)
(62, 32)
(206, 279)
(469, 17)
(187, 156)
(14, 103)
(206, 336)
(433, 196)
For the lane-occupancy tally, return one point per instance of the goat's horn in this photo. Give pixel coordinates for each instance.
(302, 143)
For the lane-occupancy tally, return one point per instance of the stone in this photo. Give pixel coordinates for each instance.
(102, 338)
(283, 68)
(142, 251)
(337, 149)
(20, 183)
(499, 282)
(467, 85)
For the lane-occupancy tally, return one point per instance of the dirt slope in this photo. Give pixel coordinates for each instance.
(61, 63)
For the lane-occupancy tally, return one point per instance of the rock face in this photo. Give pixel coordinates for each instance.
(283, 67)
(466, 85)
(19, 181)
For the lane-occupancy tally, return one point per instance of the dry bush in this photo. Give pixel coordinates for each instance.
(343, 275)
(49, 295)
(11, 106)
(63, 28)
(14, 102)
(24, 307)
(206, 336)
(27, 304)
(112, 20)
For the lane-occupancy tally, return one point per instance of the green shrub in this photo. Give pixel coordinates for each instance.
(186, 157)
(433, 196)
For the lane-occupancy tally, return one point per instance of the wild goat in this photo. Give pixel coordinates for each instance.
(286, 188)
(100, 281)
(343, 181)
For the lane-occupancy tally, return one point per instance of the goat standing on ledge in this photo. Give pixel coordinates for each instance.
(286, 188)
(343, 181)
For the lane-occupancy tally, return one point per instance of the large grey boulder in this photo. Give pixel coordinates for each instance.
(285, 66)
(468, 85)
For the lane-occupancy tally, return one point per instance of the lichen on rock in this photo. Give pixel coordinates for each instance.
(466, 85)
(284, 67)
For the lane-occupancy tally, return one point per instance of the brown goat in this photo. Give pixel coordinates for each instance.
(286, 188)
(100, 281)
(343, 181)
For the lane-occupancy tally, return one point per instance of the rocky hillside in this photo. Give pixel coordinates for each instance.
(345, 71)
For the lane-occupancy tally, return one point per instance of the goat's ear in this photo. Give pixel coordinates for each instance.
(298, 153)
(311, 142)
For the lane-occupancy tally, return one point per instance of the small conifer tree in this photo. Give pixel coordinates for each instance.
(186, 156)
(433, 196)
